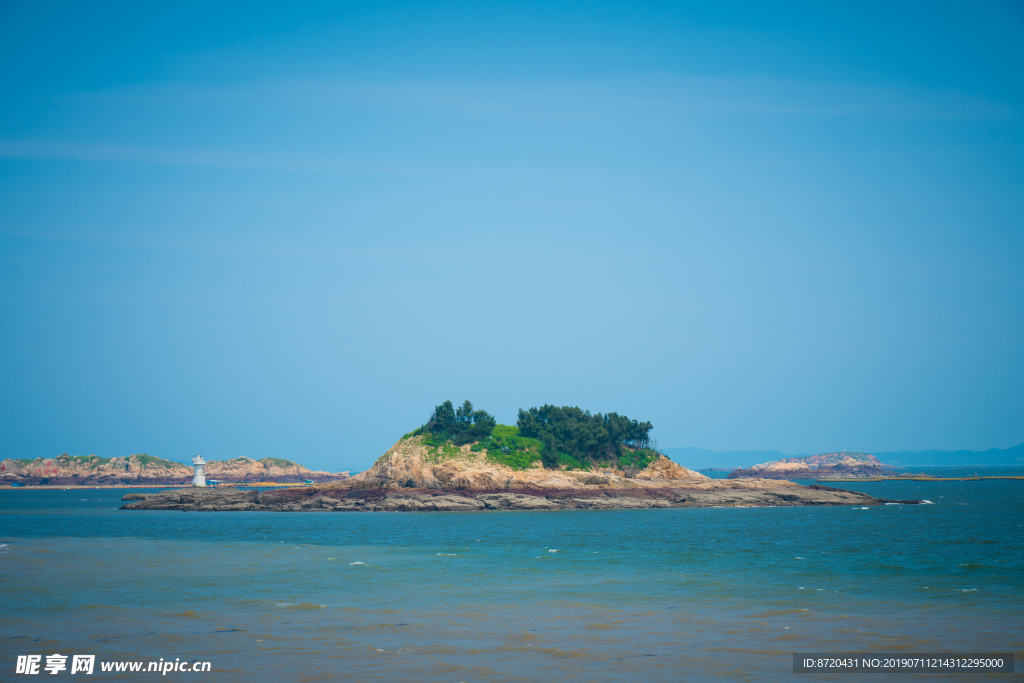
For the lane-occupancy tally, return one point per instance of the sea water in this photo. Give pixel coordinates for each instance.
(656, 595)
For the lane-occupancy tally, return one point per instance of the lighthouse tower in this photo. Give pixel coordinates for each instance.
(200, 477)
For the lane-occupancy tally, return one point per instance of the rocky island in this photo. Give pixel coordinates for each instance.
(553, 458)
(142, 469)
(841, 464)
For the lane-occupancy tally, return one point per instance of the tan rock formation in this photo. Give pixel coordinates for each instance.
(244, 469)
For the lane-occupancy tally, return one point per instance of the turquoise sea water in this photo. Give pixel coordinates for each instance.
(657, 595)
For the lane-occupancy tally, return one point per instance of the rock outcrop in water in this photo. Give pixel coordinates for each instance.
(842, 463)
(144, 469)
(413, 476)
(319, 498)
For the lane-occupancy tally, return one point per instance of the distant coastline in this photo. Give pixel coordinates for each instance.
(707, 459)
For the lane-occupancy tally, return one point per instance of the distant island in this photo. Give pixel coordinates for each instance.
(142, 469)
(841, 463)
(554, 457)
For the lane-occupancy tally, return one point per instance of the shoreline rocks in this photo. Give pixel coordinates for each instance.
(425, 500)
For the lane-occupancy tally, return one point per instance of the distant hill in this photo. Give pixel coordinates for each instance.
(992, 457)
(702, 458)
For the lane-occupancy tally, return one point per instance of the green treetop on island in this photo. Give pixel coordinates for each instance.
(566, 436)
(460, 425)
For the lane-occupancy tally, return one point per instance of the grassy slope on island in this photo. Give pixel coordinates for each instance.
(145, 459)
(277, 462)
(560, 438)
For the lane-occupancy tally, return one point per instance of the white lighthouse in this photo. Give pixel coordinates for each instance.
(200, 477)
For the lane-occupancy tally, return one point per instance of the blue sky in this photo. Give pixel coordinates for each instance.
(248, 229)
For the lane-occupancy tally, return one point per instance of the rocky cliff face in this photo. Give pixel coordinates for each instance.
(841, 463)
(412, 464)
(143, 469)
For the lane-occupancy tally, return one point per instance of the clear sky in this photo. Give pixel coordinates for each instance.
(291, 229)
